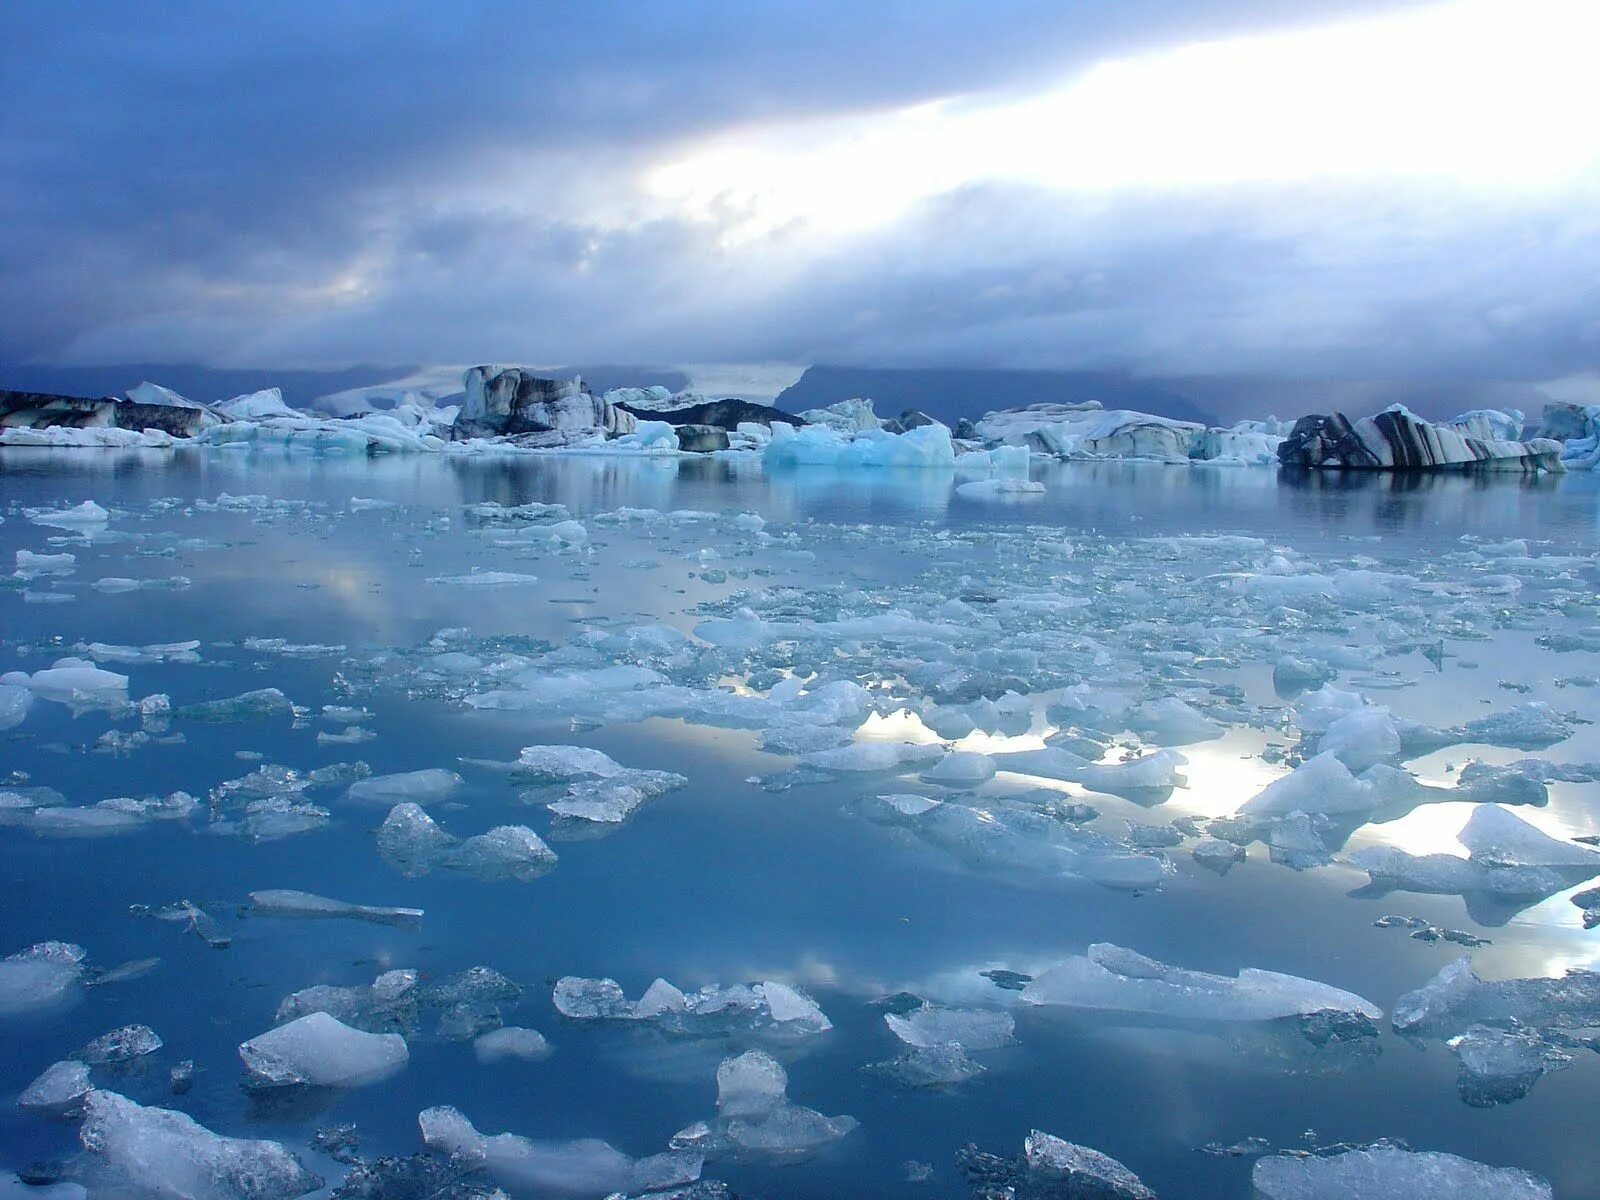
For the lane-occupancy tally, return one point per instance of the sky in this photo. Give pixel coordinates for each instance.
(1275, 188)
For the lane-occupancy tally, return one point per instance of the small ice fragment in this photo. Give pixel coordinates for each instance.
(285, 902)
(970, 1028)
(120, 1045)
(510, 1041)
(318, 1050)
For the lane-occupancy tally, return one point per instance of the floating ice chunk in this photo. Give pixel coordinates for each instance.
(1056, 1166)
(165, 1153)
(1531, 726)
(32, 566)
(510, 1041)
(591, 999)
(15, 701)
(410, 837)
(263, 702)
(819, 446)
(752, 1084)
(1362, 739)
(414, 787)
(1148, 773)
(1171, 722)
(874, 756)
(120, 1045)
(999, 489)
(1214, 854)
(388, 1002)
(1115, 979)
(58, 1091)
(1390, 1173)
(504, 852)
(1013, 839)
(1317, 710)
(564, 763)
(1319, 785)
(754, 1109)
(1456, 997)
(73, 680)
(39, 978)
(1499, 1066)
(184, 652)
(770, 1007)
(318, 1050)
(285, 902)
(945, 1065)
(587, 1167)
(961, 768)
(485, 579)
(87, 515)
(935, 1025)
(1497, 838)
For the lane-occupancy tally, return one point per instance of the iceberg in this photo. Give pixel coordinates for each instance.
(413, 787)
(1499, 1066)
(40, 978)
(770, 1007)
(970, 1028)
(1457, 997)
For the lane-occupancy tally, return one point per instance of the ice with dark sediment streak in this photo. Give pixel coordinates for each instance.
(158, 1152)
(770, 1007)
(1019, 841)
(1457, 997)
(1531, 726)
(247, 706)
(318, 1050)
(1113, 979)
(1384, 1172)
(1502, 1065)
(584, 1167)
(40, 978)
(286, 902)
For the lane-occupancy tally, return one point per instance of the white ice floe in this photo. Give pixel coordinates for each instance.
(159, 1152)
(1115, 979)
(586, 1167)
(318, 1050)
(1392, 1173)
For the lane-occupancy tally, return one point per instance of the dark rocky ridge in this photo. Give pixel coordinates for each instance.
(724, 414)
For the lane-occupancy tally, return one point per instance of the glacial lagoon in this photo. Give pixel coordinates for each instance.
(883, 761)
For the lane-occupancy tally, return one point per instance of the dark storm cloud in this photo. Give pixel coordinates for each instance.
(330, 182)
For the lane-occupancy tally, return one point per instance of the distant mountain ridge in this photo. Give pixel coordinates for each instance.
(948, 395)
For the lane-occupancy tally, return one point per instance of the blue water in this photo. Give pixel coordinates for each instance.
(724, 881)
